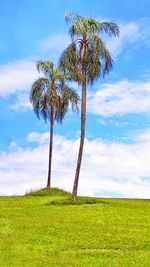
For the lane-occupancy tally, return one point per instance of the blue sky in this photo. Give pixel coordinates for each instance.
(117, 147)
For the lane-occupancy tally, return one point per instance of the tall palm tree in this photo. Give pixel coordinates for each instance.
(50, 97)
(86, 58)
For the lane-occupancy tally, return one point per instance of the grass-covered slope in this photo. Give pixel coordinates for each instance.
(48, 192)
(39, 231)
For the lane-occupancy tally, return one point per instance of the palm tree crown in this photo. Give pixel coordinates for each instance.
(88, 48)
(50, 95)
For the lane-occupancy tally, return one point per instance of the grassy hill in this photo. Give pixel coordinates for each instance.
(45, 228)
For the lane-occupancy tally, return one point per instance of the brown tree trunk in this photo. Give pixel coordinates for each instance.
(83, 123)
(50, 150)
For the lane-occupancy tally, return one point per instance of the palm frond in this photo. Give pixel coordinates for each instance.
(37, 91)
(44, 108)
(70, 16)
(69, 57)
(83, 26)
(37, 88)
(69, 62)
(72, 96)
(67, 97)
(46, 67)
(99, 59)
(94, 65)
(107, 62)
(108, 27)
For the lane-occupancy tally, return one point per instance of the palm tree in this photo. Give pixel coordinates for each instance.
(86, 58)
(50, 97)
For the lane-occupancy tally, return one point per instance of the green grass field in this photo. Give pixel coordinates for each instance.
(47, 229)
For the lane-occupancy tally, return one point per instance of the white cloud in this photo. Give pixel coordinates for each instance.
(129, 34)
(40, 138)
(17, 77)
(52, 46)
(132, 35)
(111, 99)
(143, 136)
(108, 168)
(22, 102)
(120, 98)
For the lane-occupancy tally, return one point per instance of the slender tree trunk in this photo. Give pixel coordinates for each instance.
(83, 123)
(50, 150)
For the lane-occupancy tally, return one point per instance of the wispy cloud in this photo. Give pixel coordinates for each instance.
(40, 138)
(108, 167)
(132, 35)
(129, 35)
(120, 98)
(22, 102)
(143, 136)
(52, 46)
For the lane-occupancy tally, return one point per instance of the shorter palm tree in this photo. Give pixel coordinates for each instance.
(50, 97)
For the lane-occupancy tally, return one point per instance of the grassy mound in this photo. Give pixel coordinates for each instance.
(62, 198)
(48, 192)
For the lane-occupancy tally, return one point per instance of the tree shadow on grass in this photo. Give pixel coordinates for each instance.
(70, 201)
